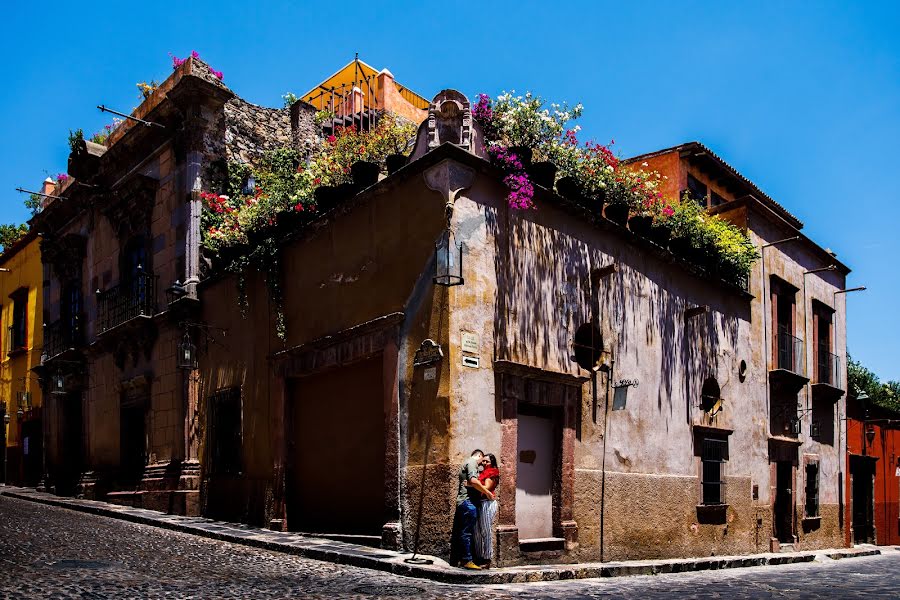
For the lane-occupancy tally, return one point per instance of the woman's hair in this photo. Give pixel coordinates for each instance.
(492, 458)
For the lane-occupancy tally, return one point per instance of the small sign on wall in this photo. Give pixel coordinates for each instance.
(430, 374)
(470, 343)
(471, 361)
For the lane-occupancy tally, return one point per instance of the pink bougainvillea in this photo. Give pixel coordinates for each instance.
(521, 192)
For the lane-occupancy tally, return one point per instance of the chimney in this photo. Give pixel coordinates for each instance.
(48, 187)
(385, 79)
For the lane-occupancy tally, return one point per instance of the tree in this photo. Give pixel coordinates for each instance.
(861, 379)
(10, 234)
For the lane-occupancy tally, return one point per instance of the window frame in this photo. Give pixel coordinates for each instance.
(19, 315)
(812, 464)
(693, 187)
(713, 451)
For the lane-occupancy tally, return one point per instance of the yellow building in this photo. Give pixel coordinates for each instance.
(21, 313)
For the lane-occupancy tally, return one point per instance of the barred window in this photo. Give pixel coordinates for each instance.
(713, 457)
(19, 327)
(812, 489)
(225, 436)
(697, 190)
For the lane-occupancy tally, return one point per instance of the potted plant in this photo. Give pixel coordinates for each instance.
(395, 162)
(542, 173)
(364, 173)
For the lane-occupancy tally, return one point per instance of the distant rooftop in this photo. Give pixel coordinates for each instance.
(357, 75)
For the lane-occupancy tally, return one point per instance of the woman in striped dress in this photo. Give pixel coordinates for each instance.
(482, 541)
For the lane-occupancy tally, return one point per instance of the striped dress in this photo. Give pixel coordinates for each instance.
(482, 541)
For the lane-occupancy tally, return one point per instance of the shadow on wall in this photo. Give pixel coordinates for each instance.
(545, 291)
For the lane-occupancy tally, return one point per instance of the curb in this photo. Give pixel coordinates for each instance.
(392, 562)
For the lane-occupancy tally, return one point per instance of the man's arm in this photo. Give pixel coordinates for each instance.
(474, 483)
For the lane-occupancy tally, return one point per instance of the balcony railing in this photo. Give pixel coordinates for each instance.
(62, 335)
(128, 300)
(791, 356)
(828, 369)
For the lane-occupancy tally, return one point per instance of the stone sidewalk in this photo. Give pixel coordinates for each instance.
(392, 562)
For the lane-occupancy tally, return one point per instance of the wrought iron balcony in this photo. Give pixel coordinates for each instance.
(789, 370)
(791, 356)
(131, 299)
(63, 335)
(828, 383)
(828, 369)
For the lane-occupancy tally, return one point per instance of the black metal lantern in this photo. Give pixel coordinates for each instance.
(58, 383)
(175, 291)
(870, 433)
(187, 353)
(448, 260)
(24, 400)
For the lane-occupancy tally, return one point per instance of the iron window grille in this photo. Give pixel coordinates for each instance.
(697, 190)
(226, 439)
(133, 298)
(713, 456)
(812, 489)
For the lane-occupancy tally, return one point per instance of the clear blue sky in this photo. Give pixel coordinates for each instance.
(801, 97)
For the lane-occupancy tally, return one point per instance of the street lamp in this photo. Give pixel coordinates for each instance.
(448, 260)
(187, 353)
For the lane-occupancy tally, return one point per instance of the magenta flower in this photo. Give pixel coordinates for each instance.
(195, 54)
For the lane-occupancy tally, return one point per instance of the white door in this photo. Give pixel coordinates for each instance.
(534, 478)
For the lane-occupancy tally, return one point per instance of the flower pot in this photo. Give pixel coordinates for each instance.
(364, 173)
(659, 234)
(681, 247)
(345, 190)
(523, 153)
(290, 220)
(617, 213)
(542, 173)
(569, 187)
(326, 197)
(395, 162)
(640, 224)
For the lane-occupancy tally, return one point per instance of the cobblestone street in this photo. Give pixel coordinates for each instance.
(49, 552)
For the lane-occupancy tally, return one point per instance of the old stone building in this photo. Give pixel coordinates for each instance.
(709, 426)
(706, 418)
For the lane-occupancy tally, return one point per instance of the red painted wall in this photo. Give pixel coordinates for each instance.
(885, 446)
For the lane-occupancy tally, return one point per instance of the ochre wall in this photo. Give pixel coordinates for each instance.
(24, 264)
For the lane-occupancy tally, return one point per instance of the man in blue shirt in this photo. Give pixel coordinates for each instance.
(470, 490)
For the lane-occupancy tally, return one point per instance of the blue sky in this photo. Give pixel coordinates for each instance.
(803, 98)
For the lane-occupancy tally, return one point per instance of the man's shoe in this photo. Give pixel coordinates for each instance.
(471, 566)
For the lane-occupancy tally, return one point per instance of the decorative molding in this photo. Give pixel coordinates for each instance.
(350, 345)
(130, 206)
(65, 254)
(449, 178)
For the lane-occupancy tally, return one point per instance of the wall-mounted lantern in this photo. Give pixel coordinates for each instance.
(58, 383)
(23, 399)
(187, 353)
(448, 260)
(870, 433)
(5, 418)
(175, 292)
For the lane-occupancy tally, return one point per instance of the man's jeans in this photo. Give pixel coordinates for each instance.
(463, 529)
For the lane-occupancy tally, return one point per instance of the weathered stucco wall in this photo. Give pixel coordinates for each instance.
(528, 287)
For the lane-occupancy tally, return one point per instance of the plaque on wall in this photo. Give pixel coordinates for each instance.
(428, 353)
